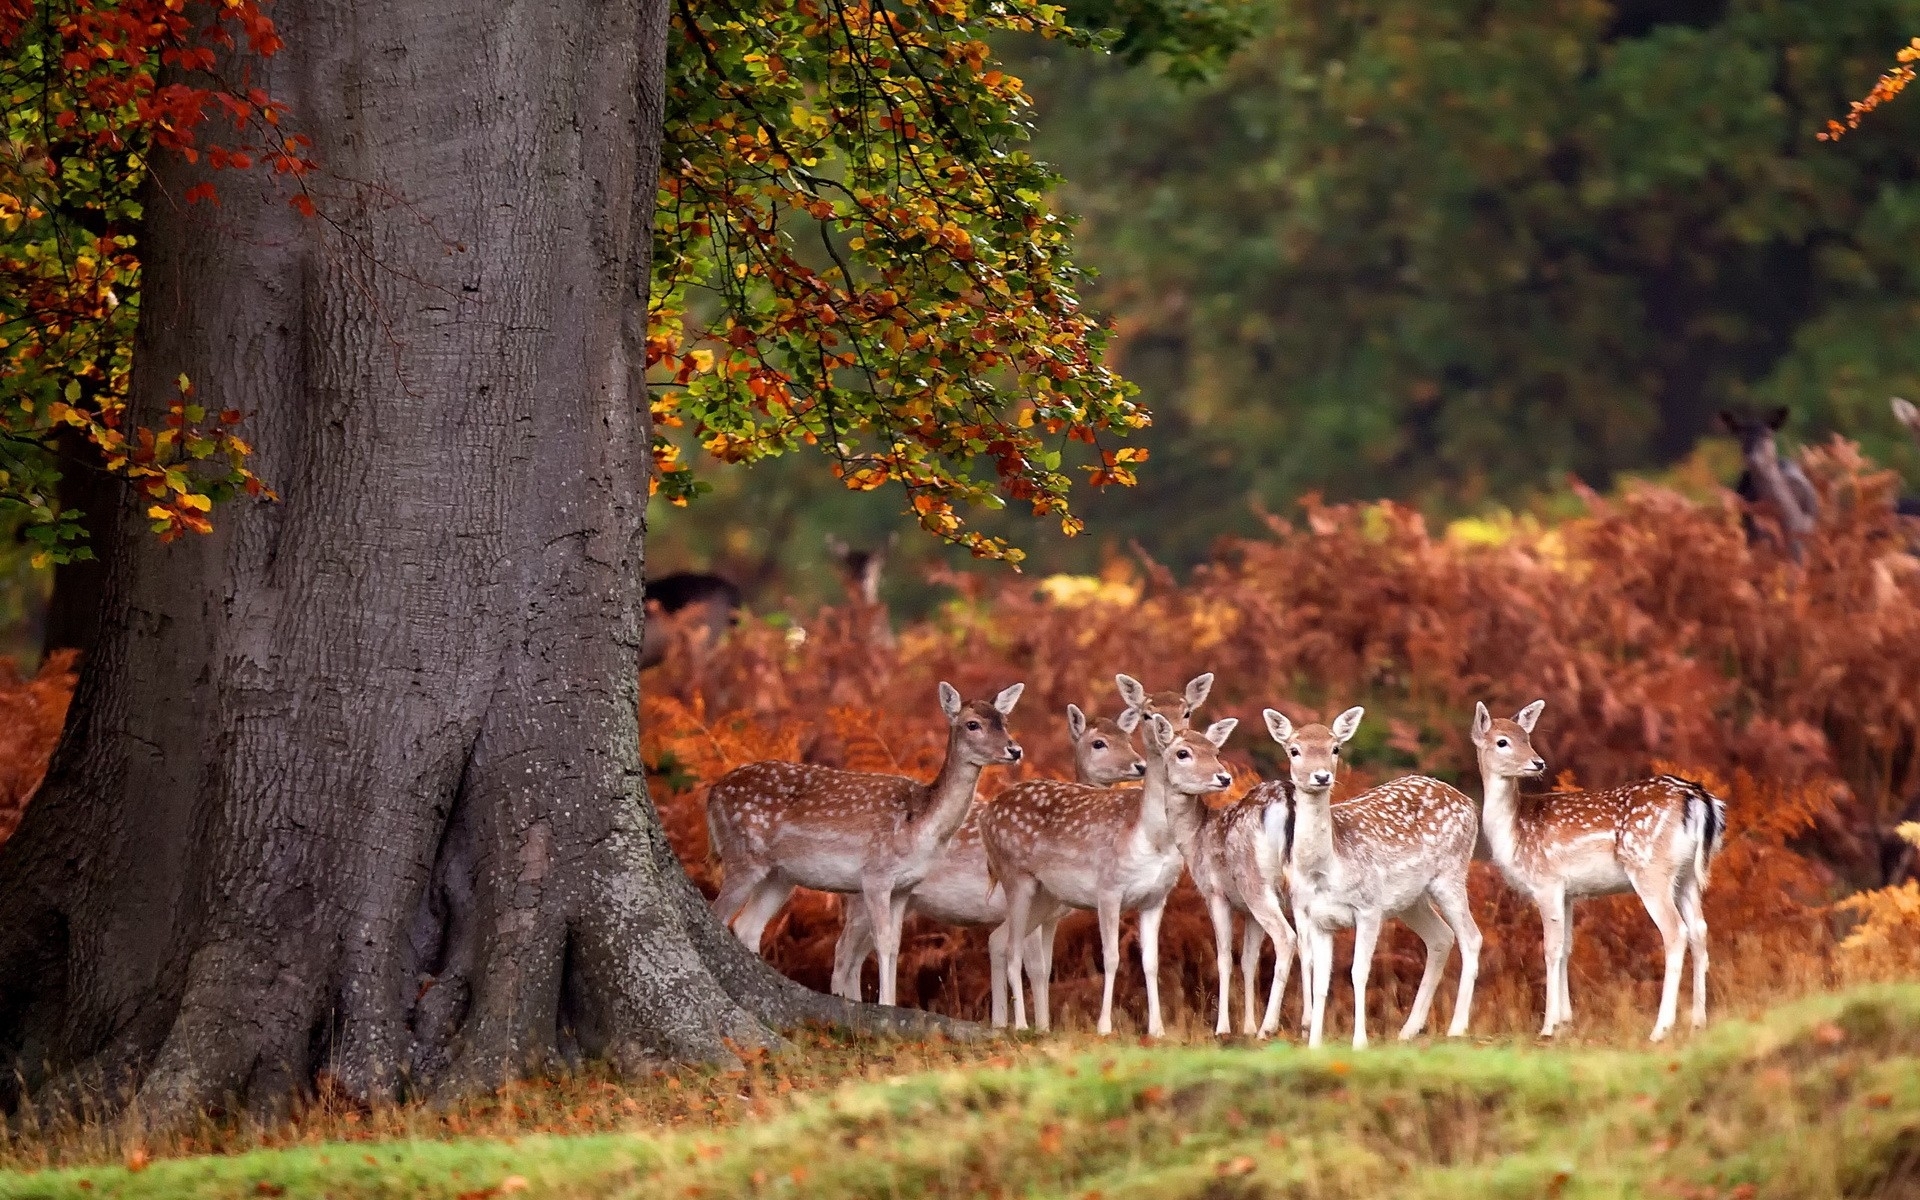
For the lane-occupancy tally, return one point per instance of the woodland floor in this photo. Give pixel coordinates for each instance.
(1816, 1098)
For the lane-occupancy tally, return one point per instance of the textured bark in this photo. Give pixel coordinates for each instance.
(354, 784)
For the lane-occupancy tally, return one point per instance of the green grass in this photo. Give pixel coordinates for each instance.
(1819, 1098)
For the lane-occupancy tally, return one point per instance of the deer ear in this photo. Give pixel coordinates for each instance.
(1220, 731)
(1727, 421)
(1278, 727)
(1131, 691)
(1128, 721)
(1004, 702)
(1159, 733)
(1076, 722)
(1482, 722)
(1347, 724)
(949, 700)
(1905, 412)
(1526, 717)
(1197, 689)
(1777, 418)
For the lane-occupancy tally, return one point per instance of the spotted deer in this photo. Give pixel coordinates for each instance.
(781, 825)
(1056, 846)
(959, 891)
(1399, 850)
(1237, 856)
(1656, 838)
(1177, 707)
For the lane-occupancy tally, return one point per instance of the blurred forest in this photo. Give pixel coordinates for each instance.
(1443, 251)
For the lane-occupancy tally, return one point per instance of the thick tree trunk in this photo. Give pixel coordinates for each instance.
(354, 784)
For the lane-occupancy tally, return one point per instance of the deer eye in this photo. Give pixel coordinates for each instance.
(1100, 744)
(1295, 752)
(1336, 752)
(1183, 755)
(1503, 743)
(974, 725)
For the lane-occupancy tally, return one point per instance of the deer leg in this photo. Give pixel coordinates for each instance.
(735, 890)
(1150, 965)
(1655, 894)
(1322, 971)
(1566, 958)
(1693, 912)
(1265, 915)
(1019, 901)
(768, 898)
(1108, 911)
(1222, 914)
(851, 950)
(1551, 901)
(1366, 935)
(1040, 974)
(878, 893)
(997, 970)
(1450, 896)
(1302, 931)
(1252, 936)
(1421, 918)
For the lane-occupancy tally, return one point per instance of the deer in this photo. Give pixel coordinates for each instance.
(780, 825)
(1772, 479)
(712, 600)
(860, 572)
(1399, 850)
(1908, 414)
(958, 889)
(1055, 846)
(1177, 707)
(1656, 838)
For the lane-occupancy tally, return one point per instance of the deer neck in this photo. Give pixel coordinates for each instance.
(1312, 829)
(1156, 804)
(1771, 477)
(950, 794)
(1499, 815)
(1185, 815)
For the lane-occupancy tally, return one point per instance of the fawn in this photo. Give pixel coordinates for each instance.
(781, 825)
(1237, 857)
(1656, 838)
(1055, 846)
(1400, 850)
(957, 890)
(1176, 707)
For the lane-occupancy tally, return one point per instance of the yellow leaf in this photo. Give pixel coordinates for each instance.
(195, 500)
(159, 512)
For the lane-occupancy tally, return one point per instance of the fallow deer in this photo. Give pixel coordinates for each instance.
(781, 825)
(1772, 479)
(1908, 414)
(1066, 845)
(1237, 857)
(1177, 707)
(1398, 850)
(1656, 838)
(860, 573)
(710, 601)
(958, 890)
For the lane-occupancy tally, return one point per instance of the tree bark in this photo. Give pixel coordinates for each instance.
(354, 784)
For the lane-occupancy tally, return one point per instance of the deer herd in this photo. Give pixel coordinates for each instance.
(1041, 848)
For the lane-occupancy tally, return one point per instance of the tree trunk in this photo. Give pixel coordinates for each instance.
(354, 784)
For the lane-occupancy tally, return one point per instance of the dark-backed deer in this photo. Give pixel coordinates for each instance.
(959, 890)
(1656, 838)
(711, 602)
(1400, 850)
(1772, 481)
(1066, 845)
(781, 825)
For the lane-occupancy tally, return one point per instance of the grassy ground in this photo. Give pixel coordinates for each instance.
(1819, 1098)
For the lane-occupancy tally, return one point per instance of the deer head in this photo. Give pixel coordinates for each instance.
(978, 728)
(1103, 750)
(1313, 751)
(1192, 760)
(1756, 435)
(1506, 747)
(1176, 707)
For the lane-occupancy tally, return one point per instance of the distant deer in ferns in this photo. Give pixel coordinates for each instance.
(1772, 482)
(959, 889)
(1656, 838)
(1399, 850)
(1056, 846)
(780, 825)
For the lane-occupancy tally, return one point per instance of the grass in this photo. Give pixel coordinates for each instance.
(1817, 1098)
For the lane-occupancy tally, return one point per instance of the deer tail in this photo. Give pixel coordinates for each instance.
(1706, 820)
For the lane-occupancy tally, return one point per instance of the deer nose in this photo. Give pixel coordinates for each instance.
(1539, 764)
(1222, 779)
(1140, 768)
(1013, 752)
(1322, 778)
